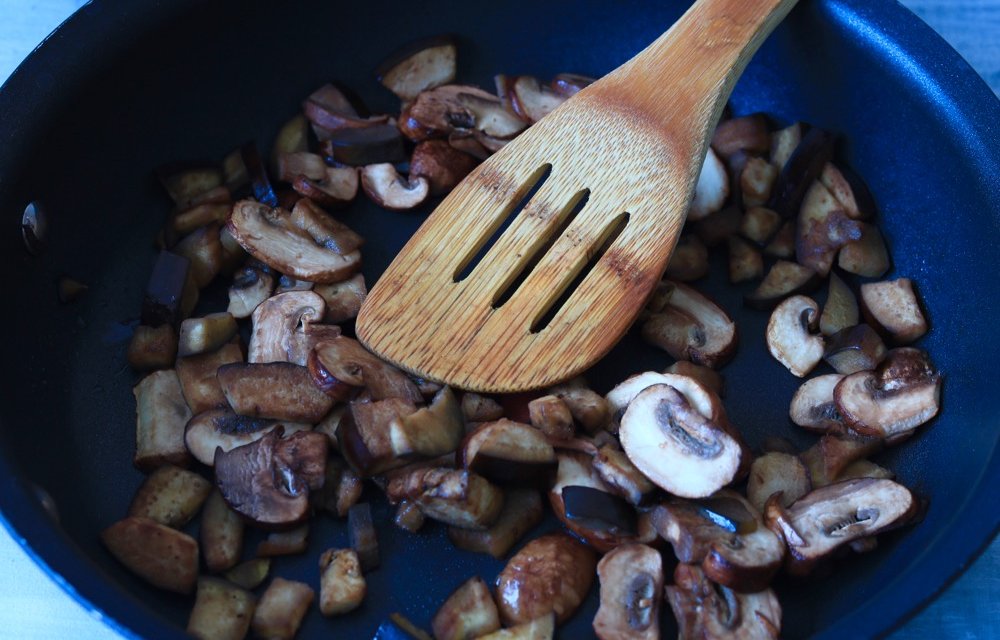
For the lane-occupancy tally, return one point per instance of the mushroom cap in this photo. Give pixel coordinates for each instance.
(389, 190)
(790, 337)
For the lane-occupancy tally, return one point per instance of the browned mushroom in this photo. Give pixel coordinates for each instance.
(712, 188)
(777, 472)
(726, 535)
(854, 349)
(418, 66)
(198, 376)
(277, 390)
(283, 329)
(589, 409)
(454, 496)
(383, 184)
(902, 394)
(841, 308)
(365, 434)
(706, 610)
(552, 573)
(698, 395)
(816, 525)
(438, 112)
(621, 476)
(342, 587)
(532, 100)
(705, 376)
(791, 336)
(200, 335)
(672, 443)
(479, 408)
(813, 406)
(336, 187)
(746, 133)
(269, 480)
(689, 261)
(522, 510)
(223, 429)
(341, 365)
(892, 307)
(782, 280)
(689, 326)
(251, 286)
(272, 236)
(343, 299)
(550, 415)
(441, 164)
(631, 578)
(832, 453)
(823, 228)
(430, 431)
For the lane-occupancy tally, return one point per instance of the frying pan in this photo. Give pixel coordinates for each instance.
(120, 89)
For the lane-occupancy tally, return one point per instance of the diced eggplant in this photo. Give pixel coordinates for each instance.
(689, 261)
(185, 184)
(857, 348)
(222, 611)
(362, 536)
(260, 184)
(792, 336)
(293, 137)
(784, 279)
(283, 543)
(823, 228)
(198, 380)
(204, 253)
(892, 307)
(747, 133)
(361, 146)
(840, 187)
(341, 365)
(522, 510)
(589, 409)
(343, 299)
(454, 496)
(867, 256)
(803, 167)
(832, 453)
(542, 628)
(418, 66)
(717, 227)
(430, 431)
(221, 536)
(386, 188)
(300, 163)
(246, 476)
(550, 415)
(841, 308)
(783, 144)
(189, 220)
(250, 574)
(469, 612)
(596, 509)
(712, 188)
(782, 245)
(342, 586)
(163, 557)
(365, 435)
(201, 335)
(631, 579)
(745, 261)
(161, 414)
(170, 496)
(705, 376)
(164, 302)
(251, 286)
(276, 390)
(756, 181)
(773, 473)
(552, 573)
(410, 518)
(759, 225)
(152, 348)
(281, 609)
(509, 452)
(689, 326)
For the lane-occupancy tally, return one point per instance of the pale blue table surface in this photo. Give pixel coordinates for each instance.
(32, 606)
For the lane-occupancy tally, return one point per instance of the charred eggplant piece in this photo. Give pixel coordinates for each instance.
(454, 496)
(823, 228)
(250, 574)
(164, 302)
(841, 308)
(745, 262)
(854, 349)
(361, 146)
(803, 167)
(222, 611)
(362, 536)
(522, 510)
(342, 586)
(365, 435)
(418, 66)
(441, 164)
(509, 452)
(221, 535)
(161, 414)
(783, 280)
(170, 496)
(706, 610)
(281, 608)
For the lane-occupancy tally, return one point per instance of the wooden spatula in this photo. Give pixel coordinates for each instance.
(562, 284)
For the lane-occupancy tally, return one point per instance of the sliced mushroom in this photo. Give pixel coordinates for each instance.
(383, 184)
(784, 279)
(550, 415)
(589, 409)
(783, 143)
(791, 336)
(892, 307)
(477, 408)
(833, 516)
(438, 112)
(745, 261)
(270, 235)
(697, 394)
(343, 299)
(854, 349)
(726, 535)
(418, 66)
(689, 326)
(833, 452)
(281, 327)
(201, 335)
(251, 286)
(705, 376)
(509, 452)
(867, 256)
(813, 407)
(533, 101)
(689, 261)
(341, 365)
(823, 228)
(337, 187)
(864, 469)
(631, 578)
(276, 390)
(677, 447)
(441, 164)
(747, 133)
(759, 224)
(223, 429)
(707, 610)
(841, 308)
(621, 476)
(902, 394)
(269, 480)
(454, 496)
(327, 120)
(522, 510)
(777, 472)
(552, 573)
(712, 188)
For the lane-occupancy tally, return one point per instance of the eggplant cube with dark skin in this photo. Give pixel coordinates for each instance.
(631, 578)
(454, 496)
(342, 587)
(522, 510)
(706, 610)
(221, 534)
(509, 452)
(170, 496)
(813, 406)
(161, 414)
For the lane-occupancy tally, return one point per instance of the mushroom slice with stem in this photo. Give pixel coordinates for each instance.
(270, 235)
(280, 326)
(813, 407)
(532, 100)
(776, 472)
(902, 394)
(418, 66)
(680, 449)
(704, 609)
(277, 390)
(712, 188)
(892, 307)
(791, 336)
(383, 184)
(707, 377)
(833, 516)
(726, 535)
(342, 364)
(269, 480)
(437, 112)
(323, 228)
(336, 187)
(631, 579)
(698, 395)
(689, 326)
(223, 429)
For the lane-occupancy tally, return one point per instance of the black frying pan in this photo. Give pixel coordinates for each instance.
(121, 89)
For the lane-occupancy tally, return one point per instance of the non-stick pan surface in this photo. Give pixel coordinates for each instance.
(121, 89)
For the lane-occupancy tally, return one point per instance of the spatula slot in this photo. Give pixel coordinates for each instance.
(491, 234)
(573, 280)
(568, 214)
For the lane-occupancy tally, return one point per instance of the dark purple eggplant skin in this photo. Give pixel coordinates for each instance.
(862, 194)
(598, 509)
(162, 302)
(359, 146)
(803, 167)
(514, 472)
(263, 192)
(362, 536)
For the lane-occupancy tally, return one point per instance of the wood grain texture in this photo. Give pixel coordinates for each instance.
(635, 140)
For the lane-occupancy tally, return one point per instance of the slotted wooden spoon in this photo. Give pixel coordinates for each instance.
(631, 146)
